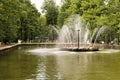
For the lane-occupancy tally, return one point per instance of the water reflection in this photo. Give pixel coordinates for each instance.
(19, 64)
(16, 65)
(47, 69)
(88, 67)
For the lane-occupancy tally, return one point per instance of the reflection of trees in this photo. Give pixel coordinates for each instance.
(17, 65)
(88, 66)
(51, 67)
(47, 68)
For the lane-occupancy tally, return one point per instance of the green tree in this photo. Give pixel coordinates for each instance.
(63, 12)
(95, 12)
(8, 20)
(28, 21)
(19, 19)
(68, 8)
(51, 12)
(43, 27)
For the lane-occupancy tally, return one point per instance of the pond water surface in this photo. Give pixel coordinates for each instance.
(35, 63)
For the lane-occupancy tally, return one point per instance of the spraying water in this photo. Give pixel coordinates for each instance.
(75, 32)
(69, 32)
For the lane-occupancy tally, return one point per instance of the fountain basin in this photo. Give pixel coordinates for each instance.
(81, 49)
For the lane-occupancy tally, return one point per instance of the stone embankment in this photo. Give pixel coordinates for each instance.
(7, 47)
(107, 46)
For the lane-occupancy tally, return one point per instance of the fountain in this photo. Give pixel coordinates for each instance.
(75, 35)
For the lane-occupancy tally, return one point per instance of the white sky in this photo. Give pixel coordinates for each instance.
(39, 3)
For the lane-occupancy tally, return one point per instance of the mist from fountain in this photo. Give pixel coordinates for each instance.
(99, 32)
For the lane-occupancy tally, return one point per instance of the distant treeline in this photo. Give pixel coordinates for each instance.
(96, 13)
(19, 19)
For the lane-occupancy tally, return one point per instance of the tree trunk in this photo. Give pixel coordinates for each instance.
(118, 39)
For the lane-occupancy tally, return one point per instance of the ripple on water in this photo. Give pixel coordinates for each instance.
(57, 51)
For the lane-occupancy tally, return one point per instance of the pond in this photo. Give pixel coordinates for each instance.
(36, 63)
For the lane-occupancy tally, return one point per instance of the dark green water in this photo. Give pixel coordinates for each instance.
(19, 64)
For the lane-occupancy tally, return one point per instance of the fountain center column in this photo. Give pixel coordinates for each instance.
(78, 38)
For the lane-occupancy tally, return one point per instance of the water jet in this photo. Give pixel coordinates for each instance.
(75, 35)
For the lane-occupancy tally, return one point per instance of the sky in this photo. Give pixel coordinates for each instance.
(39, 3)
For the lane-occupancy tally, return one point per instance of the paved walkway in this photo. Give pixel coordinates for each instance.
(4, 47)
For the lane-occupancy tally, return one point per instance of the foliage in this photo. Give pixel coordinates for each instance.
(95, 12)
(51, 13)
(18, 20)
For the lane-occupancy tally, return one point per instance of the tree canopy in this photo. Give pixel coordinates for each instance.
(19, 19)
(95, 12)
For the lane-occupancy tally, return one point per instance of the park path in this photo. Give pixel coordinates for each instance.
(5, 47)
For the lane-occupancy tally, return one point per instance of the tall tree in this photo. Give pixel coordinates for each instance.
(43, 28)
(18, 20)
(28, 21)
(51, 12)
(96, 12)
(63, 14)
(8, 20)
